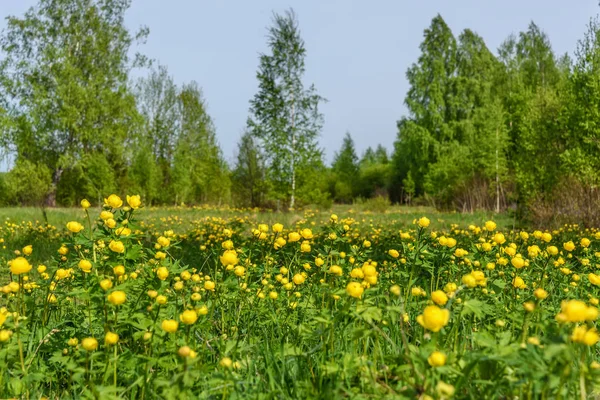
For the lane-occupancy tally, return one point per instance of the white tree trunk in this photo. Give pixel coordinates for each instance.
(293, 161)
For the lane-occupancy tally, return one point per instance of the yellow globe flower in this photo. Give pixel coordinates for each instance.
(576, 311)
(306, 234)
(293, 237)
(5, 335)
(277, 228)
(162, 273)
(134, 201)
(569, 246)
(594, 279)
(75, 226)
(85, 265)
(434, 318)
(209, 285)
(437, 359)
(355, 289)
(117, 297)
(89, 344)
(106, 284)
(169, 325)
(113, 201)
(394, 253)
(490, 226)
(19, 266)
(439, 297)
(188, 317)
(424, 222)
(27, 250)
(229, 257)
(116, 246)
(85, 204)
(104, 215)
(298, 279)
(517, 262)
(165, 242)
(540, 293)
(111, 338)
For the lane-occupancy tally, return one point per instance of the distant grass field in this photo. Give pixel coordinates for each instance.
(401, 216)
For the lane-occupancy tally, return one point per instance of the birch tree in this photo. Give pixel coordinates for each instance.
(285, 116)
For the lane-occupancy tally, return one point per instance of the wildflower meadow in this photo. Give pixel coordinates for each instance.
(346, 306)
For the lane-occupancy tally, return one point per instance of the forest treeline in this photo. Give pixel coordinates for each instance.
(517, 128)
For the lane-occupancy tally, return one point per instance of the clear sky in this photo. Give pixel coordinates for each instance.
(357, 51)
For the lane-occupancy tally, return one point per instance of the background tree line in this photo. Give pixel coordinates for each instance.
(519, 128)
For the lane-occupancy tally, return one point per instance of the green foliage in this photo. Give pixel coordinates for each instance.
(27, 184)
(285, 116)
(64, 81)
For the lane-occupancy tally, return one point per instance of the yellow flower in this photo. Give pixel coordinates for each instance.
(305, 247)
(306, 234)
(293, 237)
(116, 246)
(209, 285)
(576, 311)
(134, 201)
(394, 253)
(3, 315)
(226, 362)
(569, 246)
(585, 242)
(424, 222)
(106, 284)
(229, 257)
(469, 281)
(104, 215)
(89, 344)
(74, 226)
(546, 237)
(169, 325)
(499, 238)
(111, 338)
(517, 262)
(117, 297)
(165, 242)
(552, 250)
(85, 204)
(355, 289)
(490, 226)
(591, 337)
(436, 359)
(434, 318)
(277, 228)
(540, 294)
(298, 279)
(336, 270)
(85, 265)
(188, 317)
(113, 201)
(119, 270)
(162, 273)
(519, 283)
(19, 266)
(5, 335)
(594, 279)
(395, 290)
(73, 342)
(439, 297)
(27, 250)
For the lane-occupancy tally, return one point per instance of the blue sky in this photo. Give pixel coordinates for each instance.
(357, 51)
